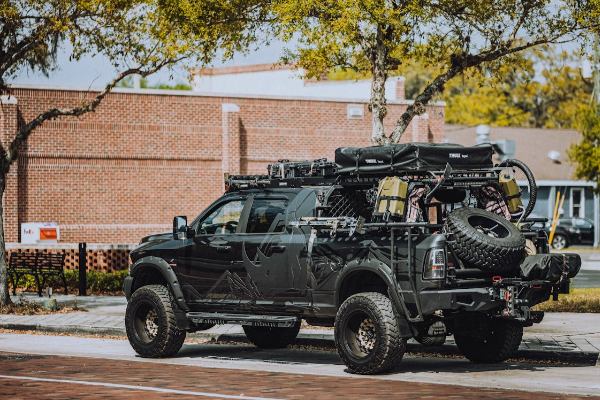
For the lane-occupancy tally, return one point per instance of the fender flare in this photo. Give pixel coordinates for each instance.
(167, 273)
(382, 270)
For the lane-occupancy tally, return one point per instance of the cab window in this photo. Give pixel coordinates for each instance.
(224, 219)
(267, 216)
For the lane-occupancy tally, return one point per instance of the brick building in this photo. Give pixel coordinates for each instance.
(144, 156)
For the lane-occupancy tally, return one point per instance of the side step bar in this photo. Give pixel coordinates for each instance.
(282, 321)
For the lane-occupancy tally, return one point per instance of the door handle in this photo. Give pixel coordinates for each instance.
(278, 248)
(223, 248)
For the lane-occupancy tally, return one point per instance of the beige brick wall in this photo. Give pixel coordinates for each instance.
(125, 170)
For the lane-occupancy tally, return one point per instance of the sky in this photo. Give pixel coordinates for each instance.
(95, 71)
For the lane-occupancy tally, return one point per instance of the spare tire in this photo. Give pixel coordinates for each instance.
(484, 240)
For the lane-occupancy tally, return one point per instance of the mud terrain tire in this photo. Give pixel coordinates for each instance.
(489, 340)
(271, 337)
(384, 348)
(150, 323)
(485, 240)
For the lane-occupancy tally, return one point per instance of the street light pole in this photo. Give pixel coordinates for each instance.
(596, 103)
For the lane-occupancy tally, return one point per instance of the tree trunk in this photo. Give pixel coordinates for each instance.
(418, 106)
(377, 103)
(4, 293)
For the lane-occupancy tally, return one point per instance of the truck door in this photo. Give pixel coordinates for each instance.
(211, 260)
(270, 251)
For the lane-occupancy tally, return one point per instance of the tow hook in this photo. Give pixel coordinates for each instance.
(515, 308)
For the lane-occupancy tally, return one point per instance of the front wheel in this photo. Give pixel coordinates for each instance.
(367, 334)
(488, 340)
(150, 323)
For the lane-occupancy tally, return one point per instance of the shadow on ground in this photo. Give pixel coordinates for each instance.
(411, 363)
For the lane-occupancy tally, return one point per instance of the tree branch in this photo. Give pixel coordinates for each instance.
(459, 63)
(26, 130)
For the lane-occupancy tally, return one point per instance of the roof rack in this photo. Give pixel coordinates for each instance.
(427, 163)
(284, 169)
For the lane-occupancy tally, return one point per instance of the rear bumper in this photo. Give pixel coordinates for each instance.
(474, 299)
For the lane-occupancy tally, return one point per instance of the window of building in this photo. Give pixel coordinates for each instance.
(577, 203)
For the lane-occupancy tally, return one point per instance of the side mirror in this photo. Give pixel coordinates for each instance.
(180, 227)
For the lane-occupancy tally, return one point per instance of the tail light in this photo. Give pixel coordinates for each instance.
(435, 264)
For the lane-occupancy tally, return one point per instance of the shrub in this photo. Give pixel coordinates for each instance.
(97, 282)
(578, 301)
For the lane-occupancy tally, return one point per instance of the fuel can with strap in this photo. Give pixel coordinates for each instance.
(511, 190)
(391, 197)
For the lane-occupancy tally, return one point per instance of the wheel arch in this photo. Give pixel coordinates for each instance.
(155, 270)
(379, 279)
(359, 278)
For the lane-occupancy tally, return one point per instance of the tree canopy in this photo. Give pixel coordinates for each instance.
(137, 36)
(586, 153)
(543, 88)
(377, 37)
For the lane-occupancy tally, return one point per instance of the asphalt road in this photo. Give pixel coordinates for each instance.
(36, 366)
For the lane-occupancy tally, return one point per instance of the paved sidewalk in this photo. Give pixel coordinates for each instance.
(561, 336)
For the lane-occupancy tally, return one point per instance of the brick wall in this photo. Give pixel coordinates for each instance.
(125, 170)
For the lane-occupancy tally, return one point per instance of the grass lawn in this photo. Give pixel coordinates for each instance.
(579, 300)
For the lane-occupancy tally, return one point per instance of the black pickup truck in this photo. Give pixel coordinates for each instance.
(385, 244)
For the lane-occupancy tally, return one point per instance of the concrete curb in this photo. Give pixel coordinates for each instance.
(76, 329)
(319, 340)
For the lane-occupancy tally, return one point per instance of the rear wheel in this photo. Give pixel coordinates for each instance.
(271, 337)
(367, 334)
(150, 323)
(488, 340)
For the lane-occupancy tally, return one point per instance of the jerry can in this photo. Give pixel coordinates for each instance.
(391, 196)
(511, 191)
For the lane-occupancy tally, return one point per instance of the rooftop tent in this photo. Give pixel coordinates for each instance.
(412, 157)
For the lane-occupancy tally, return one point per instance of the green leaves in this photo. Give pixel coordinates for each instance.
(586, 153)
(451, 36)
(128, 32)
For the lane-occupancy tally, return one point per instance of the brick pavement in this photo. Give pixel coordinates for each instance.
(77, 377)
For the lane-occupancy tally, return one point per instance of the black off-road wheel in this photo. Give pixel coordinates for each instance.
(150, 323)
(484, 240)
(367, 334)
(487, 340)
(271, 337)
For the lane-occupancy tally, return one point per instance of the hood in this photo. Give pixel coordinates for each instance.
(157, 237)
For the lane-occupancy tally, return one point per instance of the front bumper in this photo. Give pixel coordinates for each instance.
(127, 285)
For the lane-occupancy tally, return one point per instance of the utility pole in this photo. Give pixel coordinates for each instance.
(596, 105)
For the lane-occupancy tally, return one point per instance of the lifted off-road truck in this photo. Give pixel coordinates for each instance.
(385, 244)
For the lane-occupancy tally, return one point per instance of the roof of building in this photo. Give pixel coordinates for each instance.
(532, 147)
(240, 69)
(287, 80)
